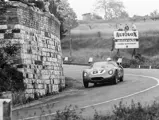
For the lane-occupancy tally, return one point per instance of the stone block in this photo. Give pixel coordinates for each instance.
(56, 81)
(45, 72)
(29, 70)
(45, 77)
(55, 88)
(17, 36)
(47, 82)
(30, 75)
(29, 91)
(3, 27)
(29, 86)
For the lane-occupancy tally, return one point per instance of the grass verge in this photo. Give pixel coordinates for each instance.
(136, 111)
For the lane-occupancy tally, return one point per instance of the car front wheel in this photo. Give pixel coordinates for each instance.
(122, 79)
(115, 79)
(86, 84)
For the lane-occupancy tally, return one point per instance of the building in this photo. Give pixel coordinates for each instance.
(87, 16)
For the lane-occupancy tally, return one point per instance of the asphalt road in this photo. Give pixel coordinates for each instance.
(139, 85)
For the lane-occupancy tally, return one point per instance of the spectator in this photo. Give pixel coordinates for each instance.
(126, 27)
(119, 61)
(144, 19)
(120, 27)
(134, 27)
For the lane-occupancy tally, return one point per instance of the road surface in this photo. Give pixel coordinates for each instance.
(139, 85)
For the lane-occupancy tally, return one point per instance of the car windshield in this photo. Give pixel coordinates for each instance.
(104, 64)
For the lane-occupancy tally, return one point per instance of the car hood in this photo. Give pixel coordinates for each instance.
(99, 69)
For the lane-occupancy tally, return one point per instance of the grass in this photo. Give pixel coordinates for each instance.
(97, 42)
(134, 111)
(72, 84)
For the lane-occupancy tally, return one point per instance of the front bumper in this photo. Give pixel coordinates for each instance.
(98, 79)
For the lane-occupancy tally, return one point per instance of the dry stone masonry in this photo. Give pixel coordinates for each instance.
(38, 35)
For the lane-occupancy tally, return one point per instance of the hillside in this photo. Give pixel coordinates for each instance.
(95, 40)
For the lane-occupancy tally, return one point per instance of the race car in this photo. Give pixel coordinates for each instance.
(101, 72)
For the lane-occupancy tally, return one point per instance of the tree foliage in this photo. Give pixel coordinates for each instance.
(62, 10)
(111, 8)
(96, 17)
(154, 15)
(10, 78)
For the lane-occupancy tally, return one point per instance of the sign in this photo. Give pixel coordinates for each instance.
(126, 35)
(126, 39)
(124, 44)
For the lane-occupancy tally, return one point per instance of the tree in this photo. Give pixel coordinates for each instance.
(62, 10)
(96, 17)
(154, 15)
(111, 8)
(124, 14)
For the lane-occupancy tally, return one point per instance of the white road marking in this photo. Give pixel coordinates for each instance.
(130, 95)
(119, 98)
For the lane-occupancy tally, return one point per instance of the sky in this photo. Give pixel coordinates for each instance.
(133, 7)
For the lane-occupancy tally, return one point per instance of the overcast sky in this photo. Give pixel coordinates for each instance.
(137, 7)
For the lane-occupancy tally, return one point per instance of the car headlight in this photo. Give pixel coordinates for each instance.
(84, 74)
(110, 72)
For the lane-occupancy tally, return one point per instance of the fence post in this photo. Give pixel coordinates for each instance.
(139, 66)
(5, 109)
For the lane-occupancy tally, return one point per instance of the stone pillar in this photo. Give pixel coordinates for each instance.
(38, 35)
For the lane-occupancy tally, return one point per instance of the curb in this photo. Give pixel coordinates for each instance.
(46, 99)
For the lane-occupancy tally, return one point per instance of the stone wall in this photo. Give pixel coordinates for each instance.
(40, 56)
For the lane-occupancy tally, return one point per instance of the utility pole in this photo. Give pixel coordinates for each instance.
(110, 54)
(70, 39)
(134, 53)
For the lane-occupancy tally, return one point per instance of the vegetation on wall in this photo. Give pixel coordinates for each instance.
(10, 78)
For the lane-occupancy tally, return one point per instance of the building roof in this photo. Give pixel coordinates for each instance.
(86, 14)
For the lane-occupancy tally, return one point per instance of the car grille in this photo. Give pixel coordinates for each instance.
(97, 78)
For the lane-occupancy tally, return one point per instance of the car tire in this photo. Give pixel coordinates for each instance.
(122, 79)
(86, 84)
(115, 79)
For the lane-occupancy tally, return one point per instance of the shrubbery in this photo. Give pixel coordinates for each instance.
(10, 78)
(136, 111)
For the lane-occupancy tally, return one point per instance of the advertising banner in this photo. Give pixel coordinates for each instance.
(124, 44)
(126, 35)
(126, 39)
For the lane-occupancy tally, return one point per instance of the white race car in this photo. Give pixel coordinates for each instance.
(101, 72)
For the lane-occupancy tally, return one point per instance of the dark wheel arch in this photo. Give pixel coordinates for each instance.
(85, 83)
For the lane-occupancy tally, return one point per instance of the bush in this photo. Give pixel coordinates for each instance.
(135, 111)
(69, 113)
(10, 78)
(18, 98)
